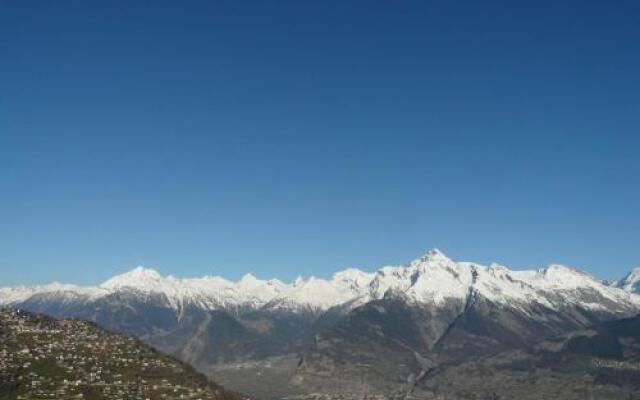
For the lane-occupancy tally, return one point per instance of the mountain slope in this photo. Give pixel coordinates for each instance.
(483, 310)
(601, 362)
(42, 357)
(356, 332)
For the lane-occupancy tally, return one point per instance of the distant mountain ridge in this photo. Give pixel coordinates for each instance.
(358, 332)
(431, 277)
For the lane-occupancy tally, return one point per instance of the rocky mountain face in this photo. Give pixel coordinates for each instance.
(602, 362)
(359, 332)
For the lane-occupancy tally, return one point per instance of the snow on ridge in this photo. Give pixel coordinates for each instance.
(13, 295)
(139, 277)
(631, 282)
(432, 278)
(353, 276)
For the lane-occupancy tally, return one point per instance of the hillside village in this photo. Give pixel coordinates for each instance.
(43, 358)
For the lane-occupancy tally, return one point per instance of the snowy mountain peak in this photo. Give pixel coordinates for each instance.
(433, 259)
(435, 255)
(139, 277)
(631, 282)
(248, 278)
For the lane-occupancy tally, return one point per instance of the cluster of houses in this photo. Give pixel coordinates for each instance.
(334, 396)
(42, 358)
(615, 364)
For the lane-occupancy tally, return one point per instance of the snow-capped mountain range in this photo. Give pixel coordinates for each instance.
(432, 278)
(432, 308)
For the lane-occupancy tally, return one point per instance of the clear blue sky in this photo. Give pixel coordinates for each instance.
(300, 137)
